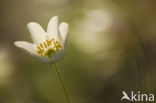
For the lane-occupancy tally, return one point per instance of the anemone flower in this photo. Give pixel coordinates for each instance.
(48, 46)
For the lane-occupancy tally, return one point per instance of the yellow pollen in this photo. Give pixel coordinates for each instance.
(41, 45)
(47, 42)
(45, 45)
(47, 49)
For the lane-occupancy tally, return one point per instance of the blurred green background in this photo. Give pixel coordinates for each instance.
(111, 48)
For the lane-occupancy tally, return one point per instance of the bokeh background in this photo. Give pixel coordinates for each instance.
(111, 48)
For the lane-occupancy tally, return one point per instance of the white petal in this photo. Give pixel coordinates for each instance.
(57, 56)
(63, 30)
(44, 59)
(52, 29)
(38, 34)
(29, 47)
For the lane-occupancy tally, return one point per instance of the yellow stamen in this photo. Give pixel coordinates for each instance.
(41, 45)
(48, 51)
(45, 45)
(38, 47)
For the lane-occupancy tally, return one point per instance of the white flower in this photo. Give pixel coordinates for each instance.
(48, 46)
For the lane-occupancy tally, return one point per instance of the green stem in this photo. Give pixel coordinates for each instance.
(62, 82)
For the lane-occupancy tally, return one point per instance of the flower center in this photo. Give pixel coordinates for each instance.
(49, 47)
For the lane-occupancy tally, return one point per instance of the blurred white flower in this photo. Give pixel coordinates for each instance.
(100, 33)
(48, 46)
(91, 36)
